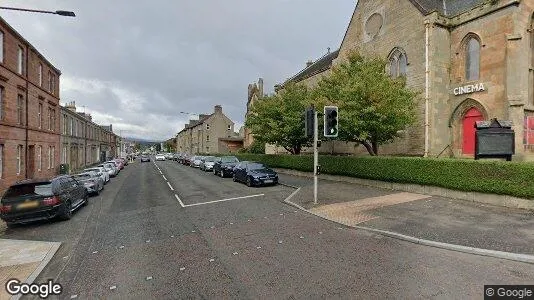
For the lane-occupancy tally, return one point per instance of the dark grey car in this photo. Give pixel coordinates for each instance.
(224, 166)
(33, 200)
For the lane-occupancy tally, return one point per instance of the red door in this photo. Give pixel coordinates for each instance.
(472, 115)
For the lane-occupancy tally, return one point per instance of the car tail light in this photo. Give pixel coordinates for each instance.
(51, 201)
(5, 208)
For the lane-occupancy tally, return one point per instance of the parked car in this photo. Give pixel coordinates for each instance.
(168, 156)
(224, 166)
(206, 163)
(110, 168)
(185, 159)
(160, 157)
(103, 173)
(145, 158)
(254, 174)
(33, 200)
(118, 163)
(92, 183)
(195, 161)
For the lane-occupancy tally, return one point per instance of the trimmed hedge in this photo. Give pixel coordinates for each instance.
(485, 176)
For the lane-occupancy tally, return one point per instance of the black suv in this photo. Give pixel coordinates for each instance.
(224, 166)
(33, 200)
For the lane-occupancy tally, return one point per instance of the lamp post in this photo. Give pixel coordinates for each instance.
(63, 13)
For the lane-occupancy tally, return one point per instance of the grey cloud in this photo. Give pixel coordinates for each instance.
(179, 55)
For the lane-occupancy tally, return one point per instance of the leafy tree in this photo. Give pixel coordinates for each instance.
(255, 148)
(373, 107)
(279, 119)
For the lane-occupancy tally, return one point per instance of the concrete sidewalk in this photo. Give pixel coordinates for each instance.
(421, 216)
(23, 260)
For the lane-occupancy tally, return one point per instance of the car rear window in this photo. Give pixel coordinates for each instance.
(209, 158)
(229, 159)
(255, 166)
(30, 189)
(82, 176)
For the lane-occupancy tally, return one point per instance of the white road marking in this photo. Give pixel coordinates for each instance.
(160, 172)
(170, 186)
(149, 278)
(148, 241)
(235, 253)
(212, 260)
(258, 247)
(121, 247)
(74, 296)
(112, 287)
(180, 201)
(95, 252)
(164, 177)
(223, 200)
(182, 268)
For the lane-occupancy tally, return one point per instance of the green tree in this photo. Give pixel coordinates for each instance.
(279, 119)
(373, 107)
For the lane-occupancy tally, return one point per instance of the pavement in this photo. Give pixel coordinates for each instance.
(23, 260)
(421, 216)
(164, 230)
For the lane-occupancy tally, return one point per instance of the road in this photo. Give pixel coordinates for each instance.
(136, 241)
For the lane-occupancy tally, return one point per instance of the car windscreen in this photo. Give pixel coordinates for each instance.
(30, 189)
(209, 158)
(229, 159)
(256, 166)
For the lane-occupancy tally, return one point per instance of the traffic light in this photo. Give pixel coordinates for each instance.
(330, 121)
(309, 122)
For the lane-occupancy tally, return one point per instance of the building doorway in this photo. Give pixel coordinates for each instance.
(31, 162)
(468, 130)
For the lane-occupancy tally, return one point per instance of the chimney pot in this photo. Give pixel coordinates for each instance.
(218, 108)
(309, 63)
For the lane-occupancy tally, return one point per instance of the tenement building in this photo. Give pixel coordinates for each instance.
(29, 110)
(83, 143)
(471, 60)
(213, 133)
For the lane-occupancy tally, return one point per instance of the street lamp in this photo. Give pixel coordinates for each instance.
(64, 13)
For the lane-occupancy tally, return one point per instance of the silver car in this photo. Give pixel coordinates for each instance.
(103, 173)
(93, 183)
(196, 161)
(207, 163)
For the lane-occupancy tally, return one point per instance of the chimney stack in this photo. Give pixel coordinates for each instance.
(309, 63)
(218, 109)
(71, 106)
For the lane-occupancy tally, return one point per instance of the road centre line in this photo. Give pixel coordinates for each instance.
(170, 186)
(223, 200)
(180, 201)
(164, 177)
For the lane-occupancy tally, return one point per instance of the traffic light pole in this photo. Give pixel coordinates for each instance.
(315, 155)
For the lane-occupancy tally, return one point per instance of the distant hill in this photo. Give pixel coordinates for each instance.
(141, 141)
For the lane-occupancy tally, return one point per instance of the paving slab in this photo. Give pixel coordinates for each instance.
(433, 218)
(23, 260)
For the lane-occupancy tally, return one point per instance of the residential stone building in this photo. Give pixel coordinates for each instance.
(213, 133)
(29, 110)
(83, 142)
(471, 60)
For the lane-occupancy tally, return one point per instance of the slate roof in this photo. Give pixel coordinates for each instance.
(322, 64)
(447, 8)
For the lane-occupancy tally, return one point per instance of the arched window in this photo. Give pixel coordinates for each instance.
(398, 63)
(472, 59)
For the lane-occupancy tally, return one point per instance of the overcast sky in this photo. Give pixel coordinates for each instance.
(136, 64)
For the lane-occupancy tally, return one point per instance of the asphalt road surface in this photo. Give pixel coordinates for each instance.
(137, 241)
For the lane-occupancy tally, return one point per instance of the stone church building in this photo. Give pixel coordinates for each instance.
(470, 59)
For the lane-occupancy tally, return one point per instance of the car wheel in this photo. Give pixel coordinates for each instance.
(249, 182)
(222, 173)
(67, 213)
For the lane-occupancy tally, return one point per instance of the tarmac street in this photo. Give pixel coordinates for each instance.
(165, 230)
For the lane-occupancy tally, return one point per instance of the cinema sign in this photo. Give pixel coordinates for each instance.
(468, 89)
